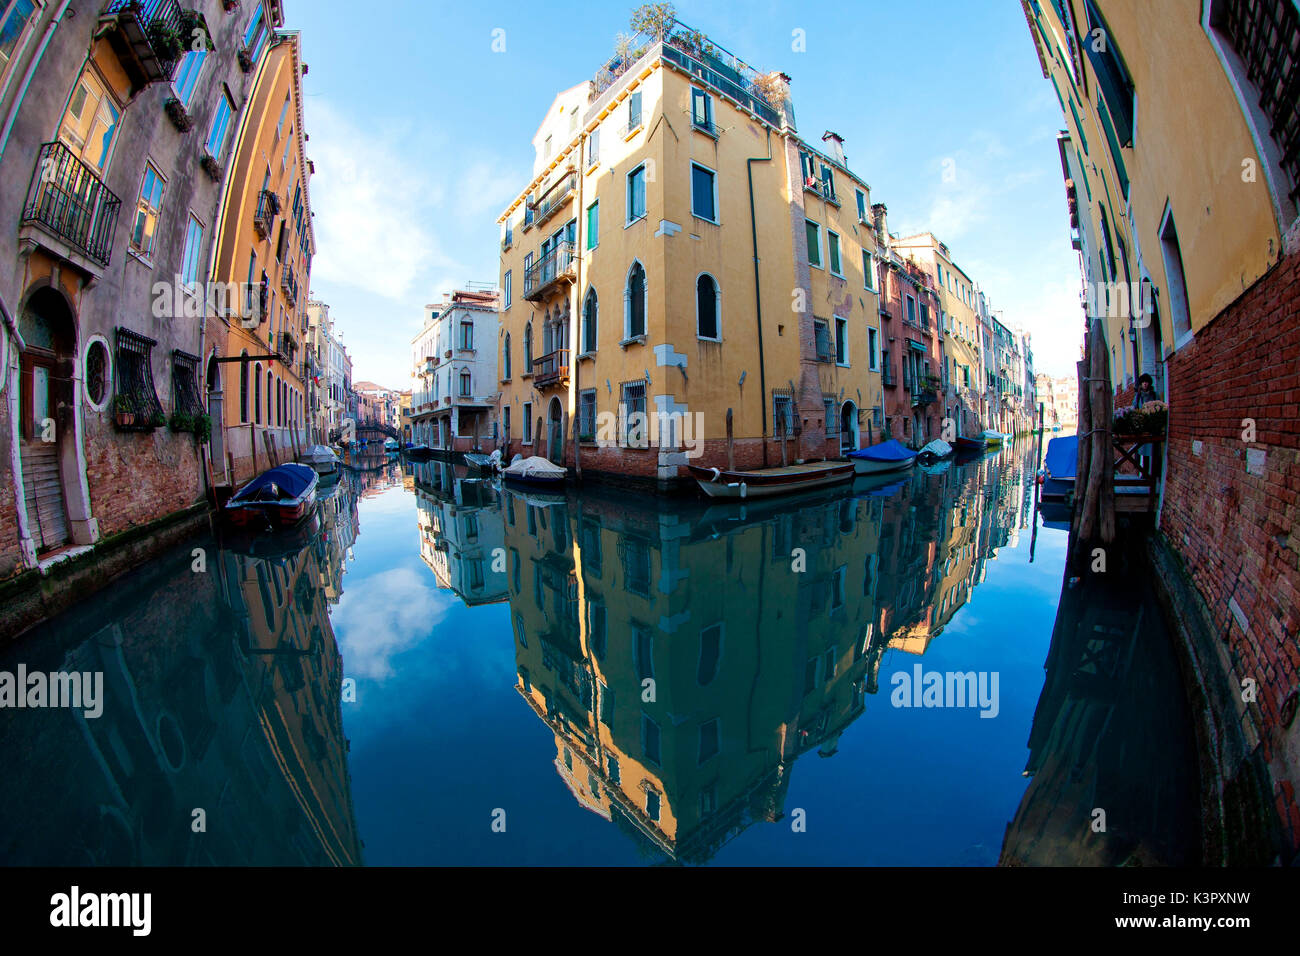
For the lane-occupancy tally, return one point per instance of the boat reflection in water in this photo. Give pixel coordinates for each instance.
(684, 655)
(220, 739)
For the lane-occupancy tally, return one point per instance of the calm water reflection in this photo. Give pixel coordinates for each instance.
(606, 678)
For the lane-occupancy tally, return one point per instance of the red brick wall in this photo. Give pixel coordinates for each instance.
(1239, 533)
(137, 477)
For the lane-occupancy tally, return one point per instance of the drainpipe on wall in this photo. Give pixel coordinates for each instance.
(758, 299)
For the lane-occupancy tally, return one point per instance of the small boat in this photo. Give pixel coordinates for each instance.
(762, 482)
(993, 439)
(534, 470)
(963, 443)
(889, 455)
(483, 463)
(251, 542)
(280, 496)
(419, 452)
(935, 450)
(1059, 467)
(321, 458)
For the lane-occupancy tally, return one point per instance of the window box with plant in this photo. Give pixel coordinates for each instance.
(212, 167)
(178, 114)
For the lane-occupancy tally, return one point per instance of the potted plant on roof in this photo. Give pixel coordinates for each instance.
(123, 413)
(655, 19)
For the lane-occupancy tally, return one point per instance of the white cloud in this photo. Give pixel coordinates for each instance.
(382, 616)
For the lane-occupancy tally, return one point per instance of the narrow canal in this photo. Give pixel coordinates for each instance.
(439, 670)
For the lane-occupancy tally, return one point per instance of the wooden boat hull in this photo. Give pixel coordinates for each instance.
(764, 483)
(969, 444)
(276, 515)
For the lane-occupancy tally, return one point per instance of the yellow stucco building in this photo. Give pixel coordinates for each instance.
(264, 249)
(681, 252)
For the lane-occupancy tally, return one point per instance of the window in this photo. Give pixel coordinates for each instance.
(925, 317)
(509, 288)
(862, 205)
(1175, 279)
(828, 183)
(636, 194)
(528, 423)
(814, 244)
(911, 309)
(710, 654)
(134, 375)
(190, 261)
(633, 402)
(284, 154)
(635, 302)
(704, 196)
(822, 340)
(872, 343)
(587, 416)
(708, 739)
(146, 211)
(187, 74)
(528, 349)
(833, 242)
(529, 277)
(505, 434)
(634, 111)
(939, 266)
(593, 225)
(593, 148)
(465, 391)
(89, 127)
(642, 652)
(243, 387)
(256, 33)
(467, 336)
(257, 393)
(652, 797)
(590, 321)
(707, 301)
(841, 341)
(546, 148)
(701, 110)
(1112, 75)
(220, 124)
(868, 271)
(782, 415)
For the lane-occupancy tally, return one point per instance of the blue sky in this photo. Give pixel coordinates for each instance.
(421, 134)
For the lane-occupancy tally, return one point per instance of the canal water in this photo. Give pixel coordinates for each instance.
(436, 669)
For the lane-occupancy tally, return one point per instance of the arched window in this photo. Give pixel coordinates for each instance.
(706, 307)
(270, 396)
(634, 302)
(590, 316)
(505, 357)
(528, 348)
(243, 386)
(257, 393)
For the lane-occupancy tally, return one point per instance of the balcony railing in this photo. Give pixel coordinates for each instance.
(556, 266)
(551, 369)
(67, 198)
(557, 196)
(268, 206)
(289, 283)
(151, 37)
(887, 377)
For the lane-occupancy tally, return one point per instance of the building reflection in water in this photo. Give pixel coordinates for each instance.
(681, 662)
(222, 693)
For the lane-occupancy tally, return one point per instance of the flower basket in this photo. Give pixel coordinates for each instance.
(179, 116)
(245, 60)
(212, 167)
(167, 43)
(123, 413)
(182, 422)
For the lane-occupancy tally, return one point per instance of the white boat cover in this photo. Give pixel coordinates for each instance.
(939, 448)
(534, 467)
(319, 453)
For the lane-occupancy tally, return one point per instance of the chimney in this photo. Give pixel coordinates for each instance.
(880, 220)
(835, 146)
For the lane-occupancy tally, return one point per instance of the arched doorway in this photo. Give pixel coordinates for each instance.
(47, 417)
(848, 427)
(555, 432)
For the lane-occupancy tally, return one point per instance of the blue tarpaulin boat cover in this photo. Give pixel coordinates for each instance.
(886, 451)
(289, 481)
(1062, 456)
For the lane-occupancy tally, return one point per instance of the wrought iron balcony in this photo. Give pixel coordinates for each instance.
(289, 283)
(268, 206)
(68, 199)
(549, 203)
(887, 377)
(551, 369)
(150, 37)
(556, 267)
